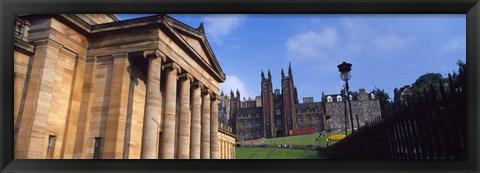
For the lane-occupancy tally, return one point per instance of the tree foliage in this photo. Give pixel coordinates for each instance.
(383, 97)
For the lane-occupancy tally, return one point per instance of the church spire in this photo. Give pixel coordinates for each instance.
(283, 74)
(263, 76)
(289, 69)
(269, 75)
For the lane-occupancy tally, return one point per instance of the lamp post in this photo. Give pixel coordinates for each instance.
(345, 69)
(328, 118)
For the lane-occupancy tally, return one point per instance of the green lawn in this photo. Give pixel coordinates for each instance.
(308, 139)
(274, 153)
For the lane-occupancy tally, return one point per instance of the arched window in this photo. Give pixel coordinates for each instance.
(372, 96)
(350, 97)
(339, 98)
(329, 99)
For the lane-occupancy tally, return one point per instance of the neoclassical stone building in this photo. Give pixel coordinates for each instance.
(91, 86)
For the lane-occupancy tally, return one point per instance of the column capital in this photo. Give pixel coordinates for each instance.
(214, 97)
(206, 91)
(48, 41)
(198, 84)
(154, 53)
(185, 76)
(172, 66)
(120, 55)
(91, 59)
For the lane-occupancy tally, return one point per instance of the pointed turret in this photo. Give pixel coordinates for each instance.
(221, 94)
(231, 93)
(263, 76)
(289, 69)
(269, 75)
(283, 74)
(238, 93)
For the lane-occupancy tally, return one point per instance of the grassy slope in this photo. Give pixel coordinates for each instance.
(302, 139)
(274, 153)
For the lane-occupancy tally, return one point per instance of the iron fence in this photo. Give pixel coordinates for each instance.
(432, 126)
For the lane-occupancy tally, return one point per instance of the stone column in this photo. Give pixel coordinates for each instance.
(205, 137)
(74, 108)
(31, 134)
(167, 147)
(214, 128)
(85, 107)
(229, 147)
(151, 118)
(185, 116)
(195, 130)
(117, 108)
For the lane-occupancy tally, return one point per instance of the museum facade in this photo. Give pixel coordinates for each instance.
(89, 86)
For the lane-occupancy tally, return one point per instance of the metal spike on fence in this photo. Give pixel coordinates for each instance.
(442, 89)
(414, 103)
(432, 94)
(425, 96)
(450, 84)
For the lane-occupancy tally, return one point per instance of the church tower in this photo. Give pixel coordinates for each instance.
(290, 98)
(234, 110)
(267, 101)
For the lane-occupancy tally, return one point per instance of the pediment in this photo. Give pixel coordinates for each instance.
(196, 42)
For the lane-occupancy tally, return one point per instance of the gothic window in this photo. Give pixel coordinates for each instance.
(359, 103)
(277, 112)
(354, 103)
(350, 97)
(329, 99)
(369, 110)
(300, 120)
(372, 96)
(257, 123)
(361, 110)
(250, 124)
(309, 119)
(339, 98)
(242, 124)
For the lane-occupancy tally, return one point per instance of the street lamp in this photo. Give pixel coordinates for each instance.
(328, 118)
(345, 69)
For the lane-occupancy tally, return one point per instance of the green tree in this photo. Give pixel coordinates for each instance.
(384, 98)
(424, 81)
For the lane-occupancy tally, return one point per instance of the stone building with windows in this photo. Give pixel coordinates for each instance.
(310, 114)
(88, 86)
(277, 113)
(365, 107)
(274, 113)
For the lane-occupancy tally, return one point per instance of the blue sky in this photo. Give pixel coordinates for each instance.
(386, 51)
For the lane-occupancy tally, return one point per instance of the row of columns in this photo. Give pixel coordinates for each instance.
(196, 133)
(227, 150)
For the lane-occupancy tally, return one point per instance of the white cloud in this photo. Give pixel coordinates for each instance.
(234, 83)
(350, 40)
(455, 44)
(390, 42)
(312, 44)
(219, 26)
